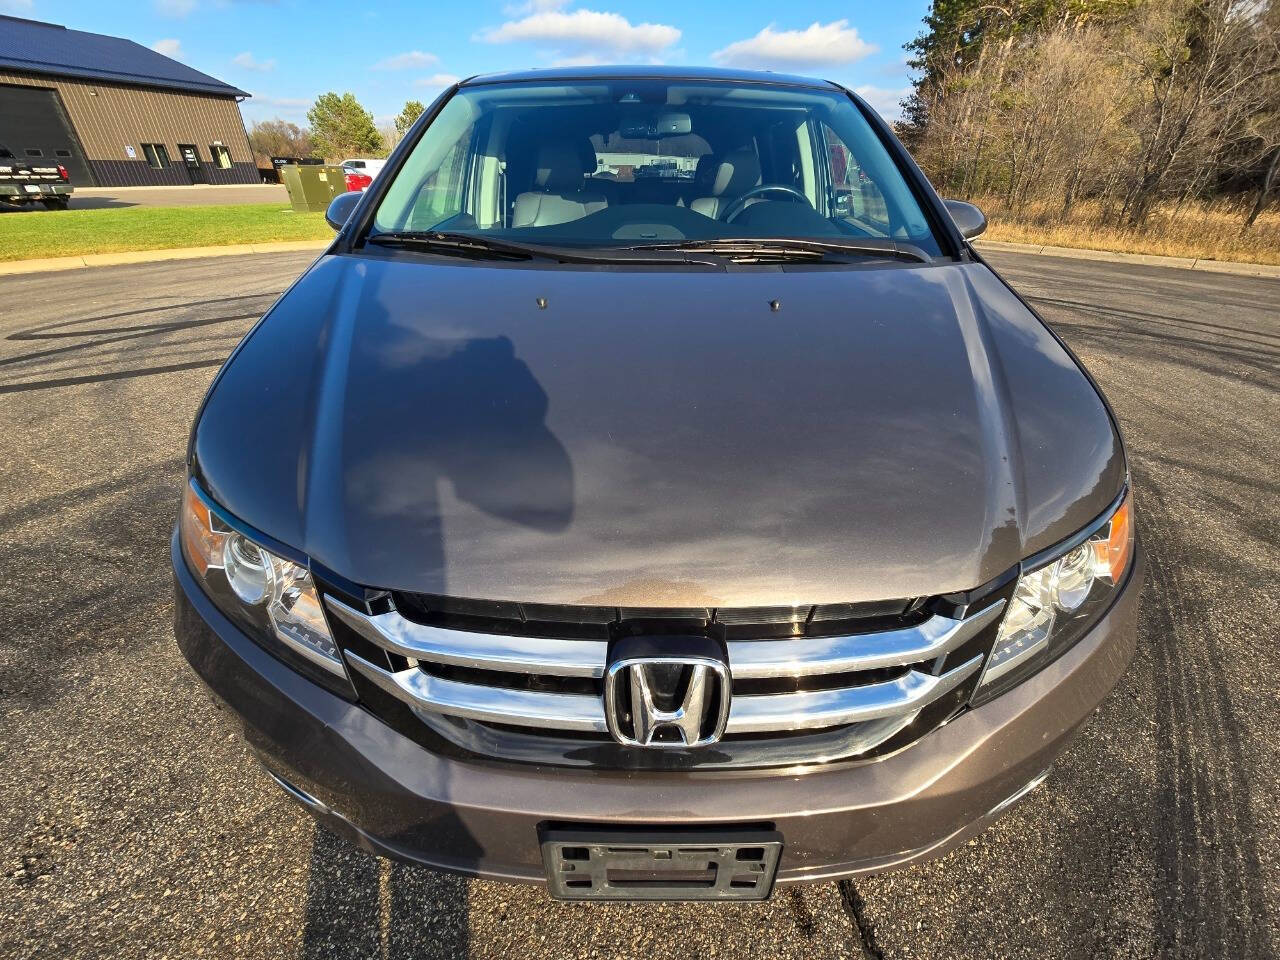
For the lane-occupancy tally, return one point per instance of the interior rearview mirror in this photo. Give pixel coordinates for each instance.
(672, 124)
(340, 208)
(969, 220)
(648, 126)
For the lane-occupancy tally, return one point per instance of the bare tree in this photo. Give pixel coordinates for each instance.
(278, 138)
(1132, 104)
(1269, 180)
(1206, 66)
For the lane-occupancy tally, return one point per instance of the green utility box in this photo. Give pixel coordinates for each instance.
(311, 187)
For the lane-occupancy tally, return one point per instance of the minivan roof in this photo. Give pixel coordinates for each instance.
(584, 74)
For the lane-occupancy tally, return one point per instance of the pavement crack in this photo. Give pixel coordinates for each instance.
(856, 908)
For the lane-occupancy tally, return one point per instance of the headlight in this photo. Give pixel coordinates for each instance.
(274, 596)
(1056, 603)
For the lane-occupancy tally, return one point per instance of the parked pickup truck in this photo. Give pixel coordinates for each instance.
(21, 182)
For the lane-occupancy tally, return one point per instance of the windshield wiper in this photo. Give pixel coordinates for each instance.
(450, 243)
(467, 244)
(765, 249)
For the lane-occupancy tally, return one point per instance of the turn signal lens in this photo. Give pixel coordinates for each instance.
(202, 544)
(1114, 552)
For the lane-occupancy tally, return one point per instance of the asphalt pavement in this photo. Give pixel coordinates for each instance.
(198, 195)
(133, 823)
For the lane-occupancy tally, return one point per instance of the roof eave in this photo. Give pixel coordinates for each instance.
(124, 79)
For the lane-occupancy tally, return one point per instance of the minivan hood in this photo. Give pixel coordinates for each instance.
(647, 437)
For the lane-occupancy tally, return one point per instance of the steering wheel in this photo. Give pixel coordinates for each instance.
(740, 204)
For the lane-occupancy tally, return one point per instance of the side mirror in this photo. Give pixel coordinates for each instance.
(340, 208)
(969, 220)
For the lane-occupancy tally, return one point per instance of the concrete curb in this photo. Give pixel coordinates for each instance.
(183, 188)
(1178, 263)
(152, 256)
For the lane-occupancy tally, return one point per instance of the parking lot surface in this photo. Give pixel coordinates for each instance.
(201, 195)
(133, 823)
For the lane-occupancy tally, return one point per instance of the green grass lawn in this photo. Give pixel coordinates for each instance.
(57, 233)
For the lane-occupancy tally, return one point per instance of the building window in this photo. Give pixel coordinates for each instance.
(32, 152)
(62, 153)
(221, 156)
(157, 156)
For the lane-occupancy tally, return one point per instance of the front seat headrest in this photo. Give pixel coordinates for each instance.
(560, 167)
(738, 172)
(704, 175)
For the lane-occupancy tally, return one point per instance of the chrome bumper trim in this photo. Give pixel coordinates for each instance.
(748, 659)
(522, 708)
(873, 708)
(811, 656)
(815, 709)
(480, 651)
(806, 710)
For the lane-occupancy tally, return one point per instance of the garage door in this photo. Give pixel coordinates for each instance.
(31, 119)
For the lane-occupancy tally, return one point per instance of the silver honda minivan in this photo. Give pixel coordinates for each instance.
(652, 494)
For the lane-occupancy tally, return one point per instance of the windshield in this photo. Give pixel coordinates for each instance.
(628, 163)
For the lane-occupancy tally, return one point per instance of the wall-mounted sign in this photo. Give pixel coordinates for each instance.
(130, 152)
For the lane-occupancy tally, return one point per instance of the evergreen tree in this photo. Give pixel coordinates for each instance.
(413, 109)
(341, 127)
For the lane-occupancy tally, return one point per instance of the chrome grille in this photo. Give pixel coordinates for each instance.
(858, 689)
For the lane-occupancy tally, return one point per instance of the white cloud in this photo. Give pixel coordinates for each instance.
(250, 62)
(437, 80)
(534, 6)
(413, 60)
(819, 45)
(175, 8)
(15, 6)
(886, 102)
(170, 47)
(583, 33)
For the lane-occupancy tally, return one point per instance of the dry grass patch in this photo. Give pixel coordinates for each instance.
(1206, 231)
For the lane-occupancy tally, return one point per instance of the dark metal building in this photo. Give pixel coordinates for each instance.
(116, 113)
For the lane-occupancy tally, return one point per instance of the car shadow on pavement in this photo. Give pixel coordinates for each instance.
(360, 905)
(77, 203)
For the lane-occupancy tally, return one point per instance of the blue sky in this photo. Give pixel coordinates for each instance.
(287, 52)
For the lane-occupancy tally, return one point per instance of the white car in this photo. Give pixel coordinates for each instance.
(368, 166)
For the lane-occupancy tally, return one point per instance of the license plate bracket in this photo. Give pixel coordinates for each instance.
(660, 865)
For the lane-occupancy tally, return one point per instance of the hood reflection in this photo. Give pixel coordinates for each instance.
(658, 438)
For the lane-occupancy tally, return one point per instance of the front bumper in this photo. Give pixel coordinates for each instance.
(400, 800)
(14, 193)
